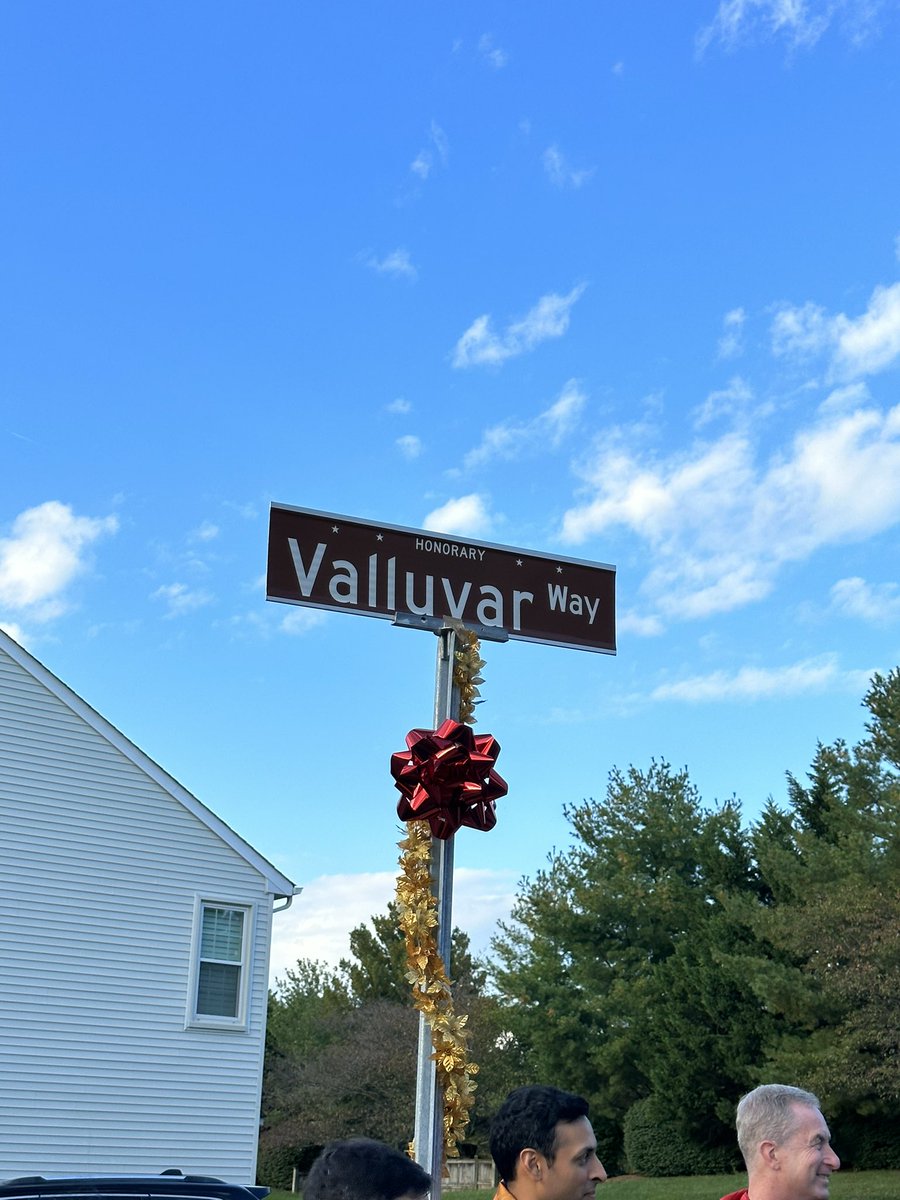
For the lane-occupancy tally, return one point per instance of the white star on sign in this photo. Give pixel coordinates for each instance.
(518, 562)
(559, 570)
(379, 537)
(334, 529)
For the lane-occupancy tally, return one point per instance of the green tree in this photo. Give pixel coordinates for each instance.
(341, 1045)
(583, 965)
(377, 970)
(836, 920)
(303, 1016)
(674, 955)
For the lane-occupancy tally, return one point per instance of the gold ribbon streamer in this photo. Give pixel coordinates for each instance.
(427, 975)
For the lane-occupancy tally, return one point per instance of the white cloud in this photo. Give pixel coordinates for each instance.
(397, 264)
(509, 439)
(721, 524)
(399, 407)
(439, 141)
(180, 599)
(731, 343)
(800, 330)
(801, 23)
(409, 445)
(465, 515)
(424, 162)
(854, 347)
(549, 318)
(206, 531)
(641, 625)
(299, 620)
(492, 54)
(293, 620)
(870, 343)
(560, 172)
(46, 550)
(730, 401)
(421, 164)
(16, 632)
(878, 604)
(846, 398)
(320, 919)
(814, 675)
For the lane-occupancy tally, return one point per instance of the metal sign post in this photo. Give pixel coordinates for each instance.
(429, 1135)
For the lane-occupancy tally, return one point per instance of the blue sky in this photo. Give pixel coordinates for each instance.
(617, 281)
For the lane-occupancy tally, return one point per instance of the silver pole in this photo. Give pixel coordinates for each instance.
(429, 1135)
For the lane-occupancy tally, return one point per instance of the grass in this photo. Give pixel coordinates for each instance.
(846, 1185)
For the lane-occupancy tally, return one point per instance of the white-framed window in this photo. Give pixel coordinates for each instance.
(220, 973)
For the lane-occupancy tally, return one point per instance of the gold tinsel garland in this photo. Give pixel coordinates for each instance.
(426, 972)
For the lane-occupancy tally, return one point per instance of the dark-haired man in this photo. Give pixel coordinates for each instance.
(786, 1145)
(363, 1169)
(543, 1146)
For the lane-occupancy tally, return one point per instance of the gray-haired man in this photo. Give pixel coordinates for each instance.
(786, 1145)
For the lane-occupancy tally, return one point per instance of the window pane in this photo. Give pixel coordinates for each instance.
(217, 993)
(222, 935)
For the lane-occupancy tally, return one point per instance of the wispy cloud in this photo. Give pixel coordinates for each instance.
(731, 343)
(721, 520)
(45, 550)
(729, 402)
(16, 632)
(435, 153)
(263, 623)
(319, 922)
(853, 346)
(876, 604)
(180, 599)
(465, 514)
(642, 625)
(206, 531)
(399, 407)
(511, 439)
(409, 445)
(549, 318)
(421, 164)
(813, 675)
(491, 53)
(299, 620)
(561, 173)
(799, 23)
(397, 264)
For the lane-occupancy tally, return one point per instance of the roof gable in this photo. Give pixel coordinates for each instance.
(276, 882)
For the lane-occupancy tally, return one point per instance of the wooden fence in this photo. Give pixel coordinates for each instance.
(468, 1173)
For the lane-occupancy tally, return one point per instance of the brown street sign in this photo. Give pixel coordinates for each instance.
(329, 561)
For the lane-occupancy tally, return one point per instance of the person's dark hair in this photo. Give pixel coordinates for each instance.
(528, 1118)
(363, 1169)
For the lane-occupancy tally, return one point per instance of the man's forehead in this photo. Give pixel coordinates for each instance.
(809, 1122)
(574, 1135)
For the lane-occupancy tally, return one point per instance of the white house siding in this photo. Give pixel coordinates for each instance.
(100, 869)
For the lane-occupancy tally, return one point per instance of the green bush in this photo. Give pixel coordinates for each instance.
(656, 1144)
(275, 1164)
(867, 1143)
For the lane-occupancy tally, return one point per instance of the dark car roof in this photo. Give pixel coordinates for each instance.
(169, 1186)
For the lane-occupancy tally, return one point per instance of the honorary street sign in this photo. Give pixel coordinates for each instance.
(329, 561)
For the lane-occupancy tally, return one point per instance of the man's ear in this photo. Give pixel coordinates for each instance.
(768, 1153)
(531, 1164)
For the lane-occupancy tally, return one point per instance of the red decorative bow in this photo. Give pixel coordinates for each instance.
(447, 777)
